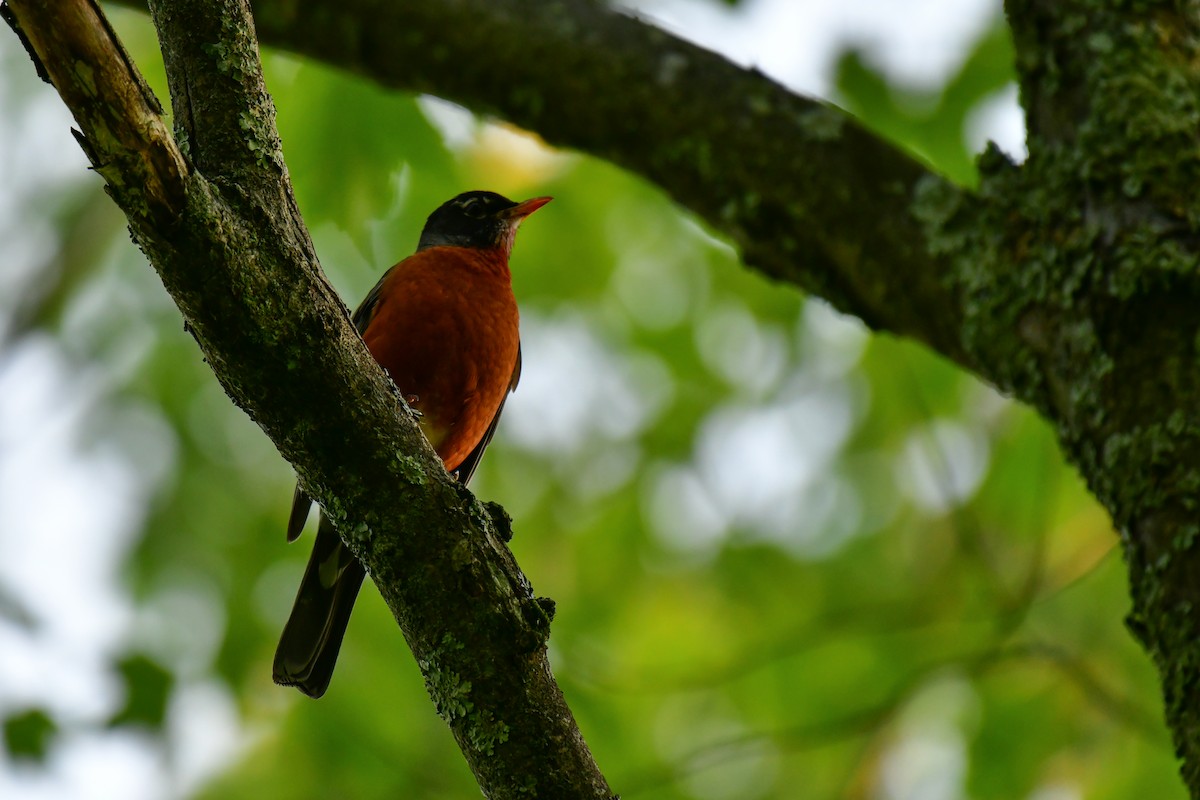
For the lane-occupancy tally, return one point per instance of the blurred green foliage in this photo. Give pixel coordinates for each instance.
(27, 735)
(791, 559)
(148, 686)
(930, 123)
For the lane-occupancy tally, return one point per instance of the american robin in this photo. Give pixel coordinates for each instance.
(443, 323)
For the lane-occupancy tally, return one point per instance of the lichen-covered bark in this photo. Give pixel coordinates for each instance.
(1123, 180)
(1081, 291)
(222, 230)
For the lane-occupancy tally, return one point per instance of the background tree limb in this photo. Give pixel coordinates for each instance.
(809, 196)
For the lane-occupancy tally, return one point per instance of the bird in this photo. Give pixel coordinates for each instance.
(444, 325)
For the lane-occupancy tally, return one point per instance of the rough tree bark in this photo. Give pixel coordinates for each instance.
(1070, 281)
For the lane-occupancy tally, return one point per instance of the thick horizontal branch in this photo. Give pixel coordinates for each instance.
(221, 230)
(808, 195)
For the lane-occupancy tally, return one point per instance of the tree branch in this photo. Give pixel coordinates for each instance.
(221, 229)
(808, 195)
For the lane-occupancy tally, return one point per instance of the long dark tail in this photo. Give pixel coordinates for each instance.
(308, 648)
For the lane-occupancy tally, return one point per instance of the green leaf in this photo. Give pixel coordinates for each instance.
(148, 687)
(28, 736)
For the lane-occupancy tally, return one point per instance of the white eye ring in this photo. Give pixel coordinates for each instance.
(471, 206)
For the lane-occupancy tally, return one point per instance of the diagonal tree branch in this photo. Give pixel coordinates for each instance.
(220, 227)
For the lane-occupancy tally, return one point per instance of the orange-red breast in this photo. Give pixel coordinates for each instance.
(443, 323)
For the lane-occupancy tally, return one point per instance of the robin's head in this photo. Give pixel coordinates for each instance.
(477, 219)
